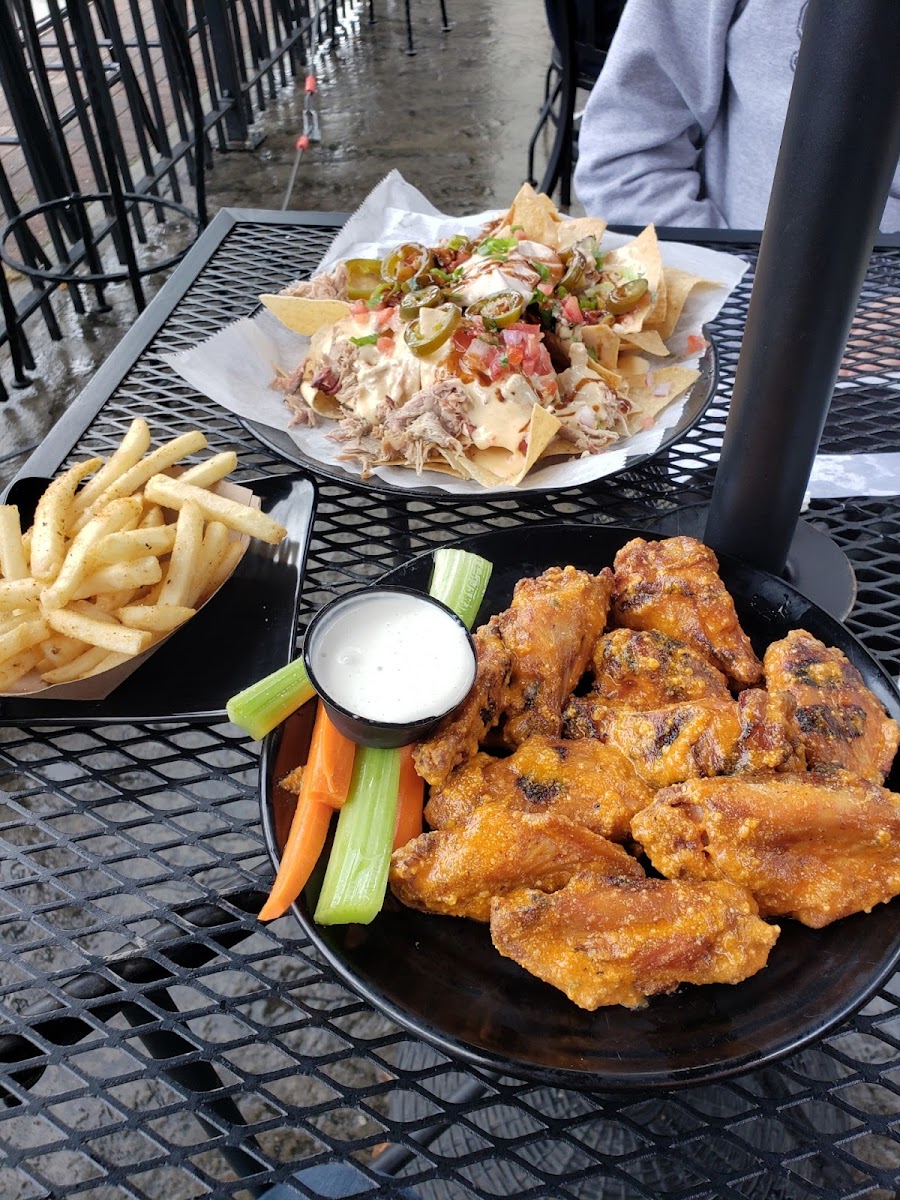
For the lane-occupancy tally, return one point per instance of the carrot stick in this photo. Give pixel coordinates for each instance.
(305, 843)
(410, 800)
(330, 762)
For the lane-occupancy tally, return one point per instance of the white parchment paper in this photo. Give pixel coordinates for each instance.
(236, 366)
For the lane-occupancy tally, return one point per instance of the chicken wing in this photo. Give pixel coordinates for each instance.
(693, 740)
(647, 669)
(458, 736)
(587, 782)
(815, 846)
(457, 871)
(549, 630)
(618, 941)
(673, 586)
(841, 721)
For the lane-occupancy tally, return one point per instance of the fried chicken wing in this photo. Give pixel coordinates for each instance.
(647, 669)
(587, 782)
(458, 736)
(457, 871)
(815, 846)
(841, 721)
(618, 941)
(673, 586)
(549, 630)
(693, 740)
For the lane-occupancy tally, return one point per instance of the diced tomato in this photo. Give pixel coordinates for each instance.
(382, 316)
(516, 356)
(462, 339)
(546, 287)
(572, 311)
(359, 308)
(385, 344)
(696, 343)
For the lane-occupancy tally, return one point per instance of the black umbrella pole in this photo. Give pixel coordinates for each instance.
(839, 151)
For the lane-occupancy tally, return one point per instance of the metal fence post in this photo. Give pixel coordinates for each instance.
(225, 57)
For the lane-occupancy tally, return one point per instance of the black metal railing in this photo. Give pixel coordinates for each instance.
(113, 111)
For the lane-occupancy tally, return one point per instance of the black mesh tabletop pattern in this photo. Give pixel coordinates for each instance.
(157, 1041)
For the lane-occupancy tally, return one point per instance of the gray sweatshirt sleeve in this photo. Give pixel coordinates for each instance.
(647, 116)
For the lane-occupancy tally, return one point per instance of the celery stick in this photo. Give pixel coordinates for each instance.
(356, 878)
(460, 580)
(266, 703)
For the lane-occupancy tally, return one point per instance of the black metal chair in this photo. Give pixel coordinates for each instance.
(582, 31)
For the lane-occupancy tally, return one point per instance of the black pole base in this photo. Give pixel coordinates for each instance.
(816, 565)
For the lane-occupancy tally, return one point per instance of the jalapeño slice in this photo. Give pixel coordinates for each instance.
(627, 295)
(413, 301)
(406, 262)
(363, 277)
(442, 322)
(499, 310)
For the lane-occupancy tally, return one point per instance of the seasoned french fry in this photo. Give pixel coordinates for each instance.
(56, 651)
(185, 555)
(155, 618)
(22, 637)
(153, 516)
(48, 543)
(110, 660)
(160, 459)
(117, 515)
(206, 473)
(134, 573)
(16, 668)
(13, 564)
(79, 668)
(111, 602)
(98, 632)
(225, 566)
(215, 545)
(172, 493)
(135, 543)
(131, 449)
(19, 593)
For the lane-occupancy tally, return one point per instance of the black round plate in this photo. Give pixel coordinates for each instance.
(441, 978)
(282, 444)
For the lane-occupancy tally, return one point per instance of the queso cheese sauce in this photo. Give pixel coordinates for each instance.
(392, 657)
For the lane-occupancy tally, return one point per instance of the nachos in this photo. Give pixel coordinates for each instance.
(481, 356)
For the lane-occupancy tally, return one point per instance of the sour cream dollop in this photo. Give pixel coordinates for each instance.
(390, 656)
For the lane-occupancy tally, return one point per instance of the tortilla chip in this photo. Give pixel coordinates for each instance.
(303, 315)
(649, 341)
(632, 364)
(641, 253)
(648, 398)
(576, 230)
(604, 341)
(498, 467)
(679, 285)
(320, 402)
(536, 214)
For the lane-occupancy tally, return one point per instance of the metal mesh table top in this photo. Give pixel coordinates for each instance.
(156, 1041)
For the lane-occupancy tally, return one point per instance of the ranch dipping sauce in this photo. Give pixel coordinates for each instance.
(390, 656)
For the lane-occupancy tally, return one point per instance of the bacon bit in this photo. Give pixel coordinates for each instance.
(385, 343)
(696, 343)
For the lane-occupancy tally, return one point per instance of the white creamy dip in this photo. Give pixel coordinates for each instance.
(387, 656)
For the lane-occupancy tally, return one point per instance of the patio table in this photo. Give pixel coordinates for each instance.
(157, 1041)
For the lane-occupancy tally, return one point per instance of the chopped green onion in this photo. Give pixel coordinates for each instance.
(459, 579)
(543, 271)
(356, 877)
(358, 865)
(269, 701)
(498, 247)
(369, 340)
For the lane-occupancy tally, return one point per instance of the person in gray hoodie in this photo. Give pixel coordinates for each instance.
(684, 122)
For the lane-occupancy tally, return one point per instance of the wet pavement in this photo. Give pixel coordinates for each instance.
(454, 118)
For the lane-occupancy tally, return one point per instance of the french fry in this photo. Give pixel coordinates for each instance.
(111, 602)
(172, 493)
(21, 637)
(79, 668)
(108, 634)
(13, 564)
(226, 565)
(56, 651)
(19, 593)
(185, 555)
(206, 473)
(155, 618)
(15, 668)
(161, 459)
(133, 573)
(76, 565)
(51, 520)
(131, 449)
(135, 543)
(153, 515)
(215, 545)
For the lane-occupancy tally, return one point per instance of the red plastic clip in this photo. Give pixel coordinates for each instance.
(310, 85)
(302, 142)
